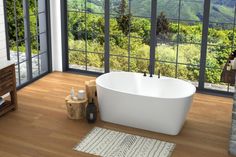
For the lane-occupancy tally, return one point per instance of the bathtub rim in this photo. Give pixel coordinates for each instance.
(189, 95)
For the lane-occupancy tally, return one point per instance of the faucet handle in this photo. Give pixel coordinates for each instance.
(144, 73)
(159, 73)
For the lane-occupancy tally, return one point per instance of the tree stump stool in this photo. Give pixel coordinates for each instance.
(76, 108)
(91, 92)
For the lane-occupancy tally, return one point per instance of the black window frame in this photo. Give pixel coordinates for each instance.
(203, 44)
(28, 53)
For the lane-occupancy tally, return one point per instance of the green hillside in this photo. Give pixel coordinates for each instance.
(221, 10)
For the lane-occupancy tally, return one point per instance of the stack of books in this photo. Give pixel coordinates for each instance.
(1, 101)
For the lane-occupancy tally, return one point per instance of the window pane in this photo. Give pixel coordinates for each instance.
(189, 54)
(139, 65)
(33, 25)
(95, 6)
(43, 63)
(166, 52)
(119, 45)
(189, 73)
(222, 12)
(23, 72)
(141, 8)
(212, 80)
(166, 69)
(169, 8)
(74, 5)
(118, 63)
(21, 49)
(190, 32)
(139, 49)
(191, 10)
(77, 60)
(17, 75)
(35, 66)
(95, 62)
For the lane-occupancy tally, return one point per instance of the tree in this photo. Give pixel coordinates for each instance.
(162, 24)
(124, 18)
(15, 21)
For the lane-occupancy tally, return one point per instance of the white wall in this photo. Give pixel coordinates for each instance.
(3, 50)
(55, 11)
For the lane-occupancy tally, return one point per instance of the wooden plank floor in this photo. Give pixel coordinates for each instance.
(40, 127)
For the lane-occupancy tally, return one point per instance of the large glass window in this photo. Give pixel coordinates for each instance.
(28, 38)
(129, 36)
(221, 42)
(86, 35)
(179, 38)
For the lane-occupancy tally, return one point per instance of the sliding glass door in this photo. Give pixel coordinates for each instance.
(28, 38)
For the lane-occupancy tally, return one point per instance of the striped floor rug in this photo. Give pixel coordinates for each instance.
(108, 143)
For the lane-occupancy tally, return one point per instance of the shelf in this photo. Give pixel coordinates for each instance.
(5, 107)
(8, 85)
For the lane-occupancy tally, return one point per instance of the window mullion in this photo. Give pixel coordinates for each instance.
(153, 38)
(203, 56)
(28, 39)
(107, 37)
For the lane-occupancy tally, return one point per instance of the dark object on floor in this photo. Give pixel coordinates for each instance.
(91, 112)
(228, 76)
(1, 101)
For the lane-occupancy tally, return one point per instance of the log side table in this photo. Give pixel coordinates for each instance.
(76, 108)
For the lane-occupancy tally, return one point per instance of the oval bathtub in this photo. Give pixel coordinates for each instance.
(149, 103)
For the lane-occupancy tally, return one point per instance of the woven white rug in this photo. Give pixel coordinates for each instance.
(108, 143)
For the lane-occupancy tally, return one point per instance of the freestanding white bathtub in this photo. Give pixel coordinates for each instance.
(149, 103)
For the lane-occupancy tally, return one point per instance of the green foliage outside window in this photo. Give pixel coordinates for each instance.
(17, 32)
(188, 53)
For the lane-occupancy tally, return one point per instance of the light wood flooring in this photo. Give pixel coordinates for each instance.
(40, 127)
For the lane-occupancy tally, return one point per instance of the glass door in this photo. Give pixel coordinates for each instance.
(28, 41)
(220, 43)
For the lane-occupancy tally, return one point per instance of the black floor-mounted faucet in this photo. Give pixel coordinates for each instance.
(151, 75)
(144, 73)
(159, 73)
(150, 71)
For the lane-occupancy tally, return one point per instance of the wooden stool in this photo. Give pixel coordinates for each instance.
(91, 92)
(76, 108)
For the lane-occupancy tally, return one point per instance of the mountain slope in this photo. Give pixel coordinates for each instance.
(221, 10)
